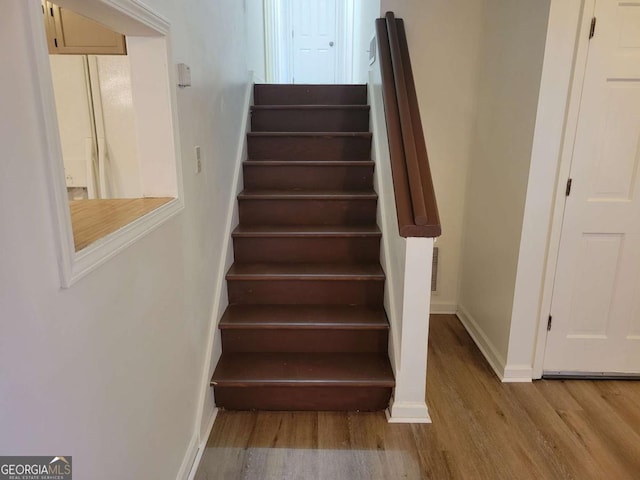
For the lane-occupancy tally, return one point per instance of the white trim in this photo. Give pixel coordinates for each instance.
(226, 258)
(189, 458)
(272, 47)
(517, 374)
(487, 348)
(411, 373)
(443, 308)
(407, 412)
(130, 17)
(60, 214)
(201, 449)
(553, 86)
(344, 38)
(75, 265)
(380, 153)
(99, 252)
(287, 41)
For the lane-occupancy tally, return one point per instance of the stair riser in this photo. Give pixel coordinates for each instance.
(308, 177)
(308, 148)
(307, 250)
(310, 95)
(304, 340)
(306, 292)
(300, 120)
(307, 212)
(368, 399)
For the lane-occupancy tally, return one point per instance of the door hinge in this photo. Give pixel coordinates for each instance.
(568, 189)
(592, 30)
(549, 323)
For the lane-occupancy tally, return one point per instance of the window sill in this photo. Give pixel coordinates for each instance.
(95, 219)
(128, 220)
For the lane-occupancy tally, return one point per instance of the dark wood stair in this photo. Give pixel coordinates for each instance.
(310, 94)
(308, 175)
(314, 146)
(306, 243)
(309, 118)
(305, 328)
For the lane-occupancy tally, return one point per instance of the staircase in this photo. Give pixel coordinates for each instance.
(305, 328)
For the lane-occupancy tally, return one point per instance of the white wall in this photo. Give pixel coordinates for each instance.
(511, 57)
(444, 41)
(255, 39)
(109, 371)
(365, 13)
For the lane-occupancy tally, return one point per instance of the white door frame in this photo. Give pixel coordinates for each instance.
(573, 100)
(279, 46)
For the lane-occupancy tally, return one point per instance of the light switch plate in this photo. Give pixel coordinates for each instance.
(184, 75)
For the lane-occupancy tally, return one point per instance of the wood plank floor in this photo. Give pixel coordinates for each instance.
(482, 429)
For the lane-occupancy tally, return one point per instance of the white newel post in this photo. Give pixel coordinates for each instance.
(409, 403)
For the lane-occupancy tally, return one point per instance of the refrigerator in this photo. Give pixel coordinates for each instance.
(96, 119)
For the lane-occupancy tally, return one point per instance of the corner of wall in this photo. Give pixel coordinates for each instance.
(484, 343)
(188, 470)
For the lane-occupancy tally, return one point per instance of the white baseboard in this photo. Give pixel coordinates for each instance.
(517, 374)
(485, 345)
(506, 373)
(405, 412)
(189, 458)
(202, 447)
(225, 253)
(443, 308)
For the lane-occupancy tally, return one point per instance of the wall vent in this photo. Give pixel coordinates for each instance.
(434, 270)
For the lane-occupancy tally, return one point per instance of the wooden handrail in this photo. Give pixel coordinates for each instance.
(413, 185)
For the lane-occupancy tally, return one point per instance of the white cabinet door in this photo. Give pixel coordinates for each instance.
(314, 41)
(596, 297)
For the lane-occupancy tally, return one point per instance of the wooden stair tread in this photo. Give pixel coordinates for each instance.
(276, 231)
(310, 163)
(351, 94)
(334, 317)
(310, 134)
(312, 107)
(305, 271)
(307, 195)
(303, 369)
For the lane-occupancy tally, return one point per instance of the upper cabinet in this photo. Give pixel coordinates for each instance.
(71, 33)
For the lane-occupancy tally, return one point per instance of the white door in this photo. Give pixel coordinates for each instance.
(314, 41)
(596, 297)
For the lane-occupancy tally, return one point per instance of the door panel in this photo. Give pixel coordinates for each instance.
(596, 305)
(314, 37)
